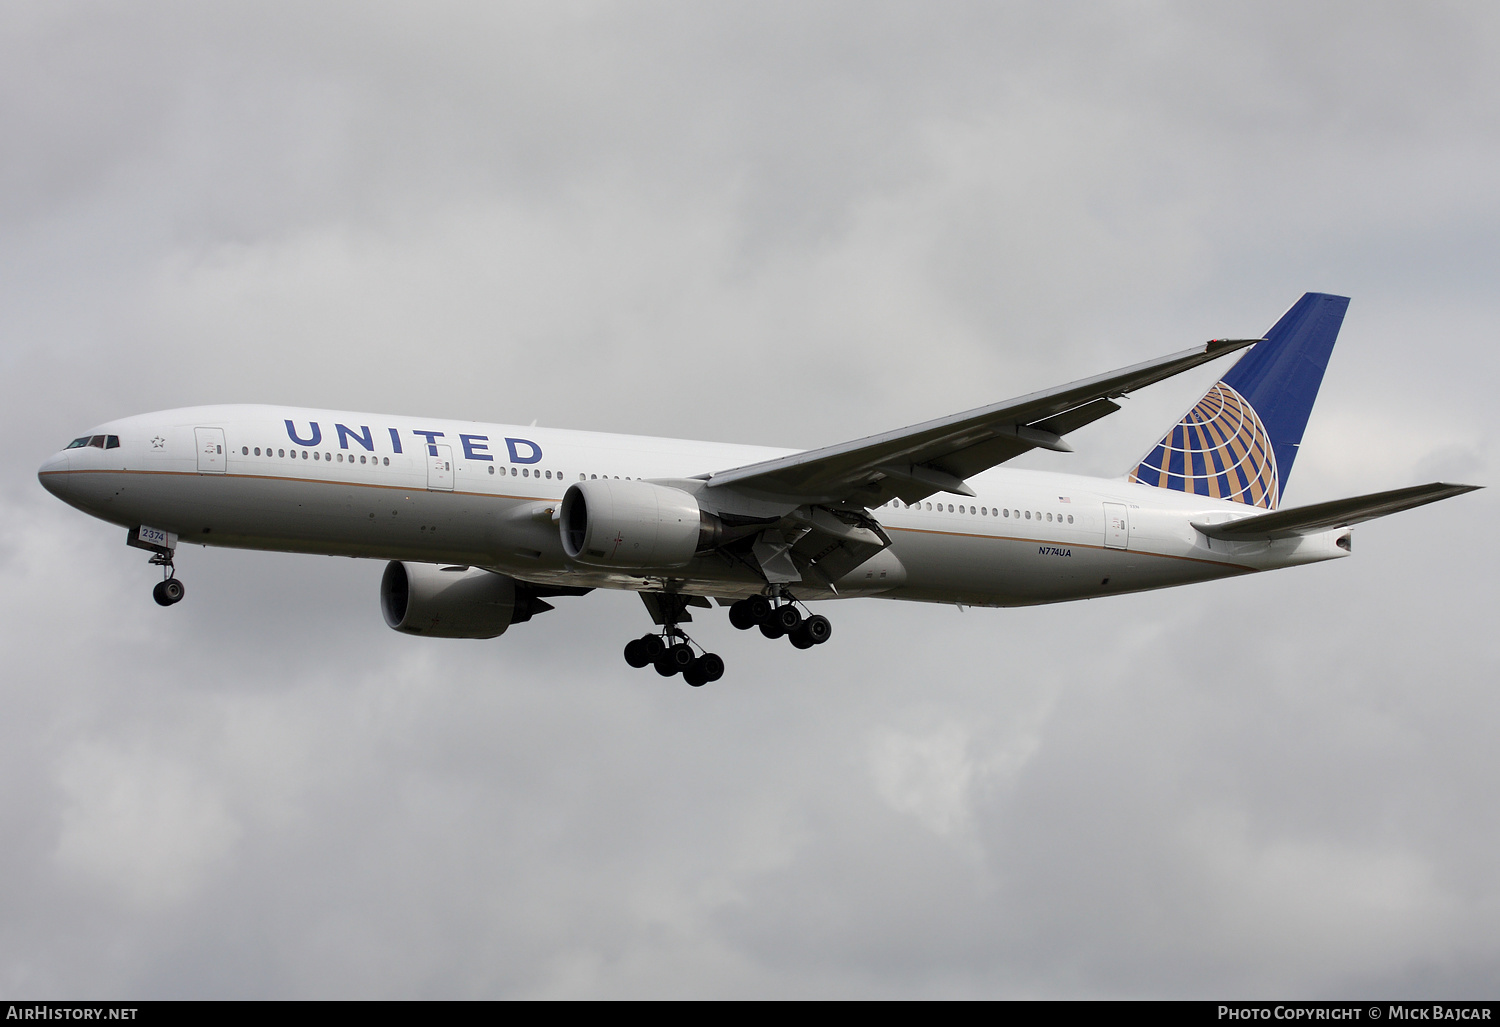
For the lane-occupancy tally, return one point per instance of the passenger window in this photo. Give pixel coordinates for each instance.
(361, 458)
(386, 461)
(1028, 515)
(1049, 518)
(315, 456)
(492, 468)
(281, 452)
(304, 454)
(1070, 518)
(244, 451)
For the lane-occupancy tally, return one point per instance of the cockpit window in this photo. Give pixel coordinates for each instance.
(78, 443)
(97, 442)
(111, 442)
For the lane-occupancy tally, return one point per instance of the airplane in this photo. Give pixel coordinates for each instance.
(483, 523)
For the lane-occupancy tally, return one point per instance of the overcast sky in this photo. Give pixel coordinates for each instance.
(786, 224)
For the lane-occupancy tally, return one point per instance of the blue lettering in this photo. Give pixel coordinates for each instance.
(474, 449)
(362, 437)
(535, 456)
(432, 437)
(317, 434)
(395, 439)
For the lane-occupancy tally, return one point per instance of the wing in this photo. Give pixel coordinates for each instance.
(936, 456)
(1338, 513)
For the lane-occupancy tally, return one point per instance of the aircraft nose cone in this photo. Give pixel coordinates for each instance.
(53, 475)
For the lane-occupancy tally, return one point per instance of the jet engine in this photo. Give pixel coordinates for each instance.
(609, 522)
(453, 602)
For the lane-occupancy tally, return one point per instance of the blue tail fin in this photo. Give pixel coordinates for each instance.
(1240, 440)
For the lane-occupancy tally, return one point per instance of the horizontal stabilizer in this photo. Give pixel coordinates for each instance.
(1337, 513)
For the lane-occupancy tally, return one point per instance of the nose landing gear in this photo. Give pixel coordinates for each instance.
(169, 590)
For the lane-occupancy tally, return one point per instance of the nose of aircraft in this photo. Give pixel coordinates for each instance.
(52, 475)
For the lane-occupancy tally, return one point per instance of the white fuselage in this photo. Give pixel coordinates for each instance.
(457, 492)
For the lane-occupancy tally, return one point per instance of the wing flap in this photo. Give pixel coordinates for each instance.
(1337, 513)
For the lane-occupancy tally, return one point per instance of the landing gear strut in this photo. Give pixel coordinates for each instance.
(781, 619)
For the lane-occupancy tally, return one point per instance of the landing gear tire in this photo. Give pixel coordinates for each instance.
(788, 618)
(675, 660)
(706, 668)
(168, 592)
(635, 654)
(770, 628)
(741, 616)
(759, 608)
(643, 651)
(818, 628)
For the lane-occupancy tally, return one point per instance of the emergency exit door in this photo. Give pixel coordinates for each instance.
(440, 469)
(1116, 526)
(210, 450)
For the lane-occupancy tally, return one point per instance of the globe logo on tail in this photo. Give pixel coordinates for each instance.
(1220, 449)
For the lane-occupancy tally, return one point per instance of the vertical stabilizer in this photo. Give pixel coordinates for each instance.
(1241, 438)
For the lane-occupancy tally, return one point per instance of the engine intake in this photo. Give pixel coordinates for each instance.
(613, 523)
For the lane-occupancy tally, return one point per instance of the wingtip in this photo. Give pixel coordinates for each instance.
(1217, 346)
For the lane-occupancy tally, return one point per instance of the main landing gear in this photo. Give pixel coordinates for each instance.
(671, 652)
(169, 590)
(781, 619)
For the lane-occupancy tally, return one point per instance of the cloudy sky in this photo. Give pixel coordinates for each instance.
(788, 224)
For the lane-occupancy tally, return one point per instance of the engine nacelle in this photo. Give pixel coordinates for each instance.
(610, 522)
(448, 602)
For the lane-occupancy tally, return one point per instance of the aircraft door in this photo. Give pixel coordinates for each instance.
(440, 469)
(210, 450)
(1116, 526)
